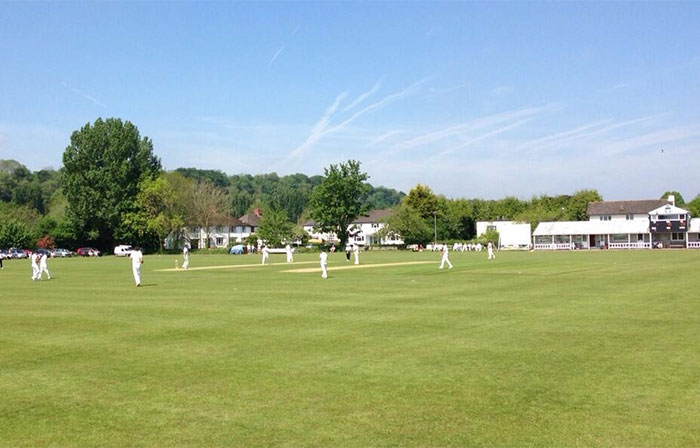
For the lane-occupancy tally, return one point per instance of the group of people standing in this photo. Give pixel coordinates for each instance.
(40, 265)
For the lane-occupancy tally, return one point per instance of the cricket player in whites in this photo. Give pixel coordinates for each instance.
(186, 257)
(489, 248)
(265, 254)
(44, 267)
(35, 266)
(356, 251)
(136, 262)
(290, 256)
(324, 263)
(445, 258)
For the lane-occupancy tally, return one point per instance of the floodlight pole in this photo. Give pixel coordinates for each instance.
(435, 228)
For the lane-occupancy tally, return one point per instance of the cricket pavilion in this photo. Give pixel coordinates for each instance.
(645, 224)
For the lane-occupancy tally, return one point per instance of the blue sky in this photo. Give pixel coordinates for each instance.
(473, 99)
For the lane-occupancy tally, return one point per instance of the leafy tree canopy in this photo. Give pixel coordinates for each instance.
(102, 169)
(337, 201)
(678, 197)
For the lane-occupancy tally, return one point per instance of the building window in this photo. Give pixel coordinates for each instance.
(677, 236)
(491, 228)
(605, 217)
(375, 225)
(630, 217)
(219, 241)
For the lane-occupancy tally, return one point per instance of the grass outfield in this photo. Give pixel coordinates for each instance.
(532, 349)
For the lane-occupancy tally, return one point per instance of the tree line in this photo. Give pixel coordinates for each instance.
(112, 189)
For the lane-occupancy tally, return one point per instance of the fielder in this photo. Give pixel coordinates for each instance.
(44, 267)
(35, 266)
(290, 257)
(265, 254)
(445, 258)
(324, 263)
(489, 248)
(356, 251)
(186, 257)
(136, 262)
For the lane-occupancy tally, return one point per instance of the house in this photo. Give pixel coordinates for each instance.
(230, 230)
(511, 234)
(252, 220)
(363, 230)
(623, 225)
(225, 232)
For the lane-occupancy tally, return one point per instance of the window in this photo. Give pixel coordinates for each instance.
(677, 236)
(219, 241)
(630, 217)
(618, 238)
(375, 225)
(490, 228)
(605, 217)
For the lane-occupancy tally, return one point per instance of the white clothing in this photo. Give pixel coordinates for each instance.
(356, 251)
(445, 258)
(490, 251)
(324, 262)
(136, 260)
(290, 257)
(265, 254)
(186, 256)
(43, 267)
(36, 273)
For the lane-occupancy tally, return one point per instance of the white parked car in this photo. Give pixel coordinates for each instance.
(123, 250)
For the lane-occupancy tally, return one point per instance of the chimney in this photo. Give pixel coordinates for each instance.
(672, 200)
(257, 212)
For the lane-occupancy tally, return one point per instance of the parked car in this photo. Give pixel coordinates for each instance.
(87, 252)
(43, 251)
(18, 253)
(61, 253)
(237, 250)
(123, 250)
(4, 254)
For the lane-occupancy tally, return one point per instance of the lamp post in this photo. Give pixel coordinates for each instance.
(435, 228)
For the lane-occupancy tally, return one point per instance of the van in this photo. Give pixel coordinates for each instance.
(123, 250)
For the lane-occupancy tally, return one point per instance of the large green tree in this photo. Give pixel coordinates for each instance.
(14, 233)
(275, 228)
(102, 169)
(338, 200)
(409, 224)
(577, 210)
(208, 205)
(159, 211)
(677, 197)
(422, 199)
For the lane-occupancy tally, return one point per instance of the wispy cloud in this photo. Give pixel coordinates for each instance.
(380, 104)
(655, 140)
(485, 136)
(84, 95)
(364, 95)
(502, 91)
(323, 125)
(467, 128)
(320, 128)
(276, 55)
(581, 133)
(384, 137)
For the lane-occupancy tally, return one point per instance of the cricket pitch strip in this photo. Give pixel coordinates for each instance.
(356, 266)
